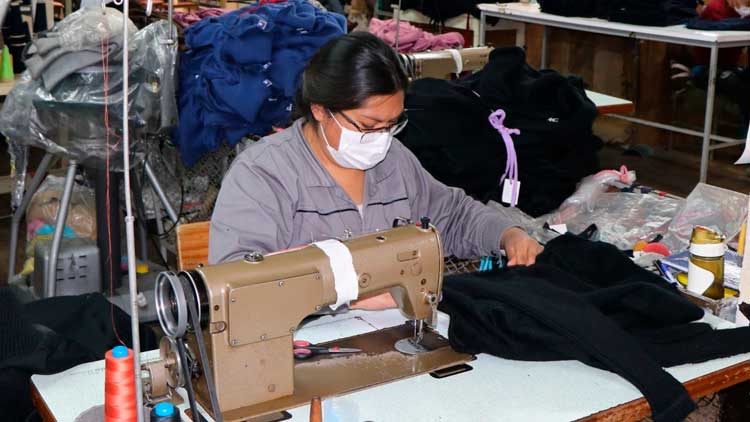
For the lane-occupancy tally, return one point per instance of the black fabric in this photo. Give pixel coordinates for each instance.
(586, 301)
(576, 8)
(449, 132)
(441, 10)
(729, 24)
(52, 335)
(636, 12)
(16, 35)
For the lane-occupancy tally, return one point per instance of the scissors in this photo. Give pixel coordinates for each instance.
(305, 350)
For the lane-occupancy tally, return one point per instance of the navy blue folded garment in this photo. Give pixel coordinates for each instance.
(729, 24)
(241, 70)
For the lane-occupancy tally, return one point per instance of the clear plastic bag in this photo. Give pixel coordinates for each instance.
(69, 119)
(42, 210)
(589, 191)
(19, 161)
(622, 218)
(710, 206)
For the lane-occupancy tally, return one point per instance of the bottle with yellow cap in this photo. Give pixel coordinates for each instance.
(706, 266)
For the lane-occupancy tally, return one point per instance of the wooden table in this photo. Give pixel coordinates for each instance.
(517, 391)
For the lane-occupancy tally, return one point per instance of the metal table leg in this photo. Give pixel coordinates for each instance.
(62, 214)
(159, 228)
(159, 191)
(41, 171)
(709, 117)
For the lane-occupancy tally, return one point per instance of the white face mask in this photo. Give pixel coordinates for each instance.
(359, 150)
(743, 11)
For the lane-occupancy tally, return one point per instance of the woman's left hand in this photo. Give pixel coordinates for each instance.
(520, 248)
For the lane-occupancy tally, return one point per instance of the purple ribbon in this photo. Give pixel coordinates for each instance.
(511, 164)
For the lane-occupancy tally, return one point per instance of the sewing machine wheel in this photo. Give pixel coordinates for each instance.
(171, 301)
(171, 306)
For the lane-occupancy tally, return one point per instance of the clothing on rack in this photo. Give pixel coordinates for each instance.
(412, 39)
(586, 301)
(450, 133)
(227, 90)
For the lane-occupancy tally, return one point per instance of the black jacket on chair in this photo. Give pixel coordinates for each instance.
(450, 133)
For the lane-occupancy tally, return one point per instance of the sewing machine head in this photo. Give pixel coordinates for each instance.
(250, 309)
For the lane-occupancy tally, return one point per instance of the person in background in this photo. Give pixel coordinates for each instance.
(339, 172)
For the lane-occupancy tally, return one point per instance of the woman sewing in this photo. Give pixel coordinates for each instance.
(339, 172)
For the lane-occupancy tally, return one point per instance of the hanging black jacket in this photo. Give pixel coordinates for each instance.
(449, 132)
(586, 301)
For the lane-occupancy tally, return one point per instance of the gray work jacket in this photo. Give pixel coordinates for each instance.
(277, 195)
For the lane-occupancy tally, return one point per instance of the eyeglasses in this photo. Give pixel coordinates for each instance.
(393, 129)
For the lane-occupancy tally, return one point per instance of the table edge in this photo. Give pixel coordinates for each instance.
(697, 388)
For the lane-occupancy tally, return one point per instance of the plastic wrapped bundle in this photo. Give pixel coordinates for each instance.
(59, 103)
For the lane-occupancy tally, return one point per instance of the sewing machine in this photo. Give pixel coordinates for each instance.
(249, 310)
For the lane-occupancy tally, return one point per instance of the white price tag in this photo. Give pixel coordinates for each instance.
(508, 191)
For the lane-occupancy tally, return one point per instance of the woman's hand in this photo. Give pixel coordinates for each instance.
(520, 248)
(375, 303)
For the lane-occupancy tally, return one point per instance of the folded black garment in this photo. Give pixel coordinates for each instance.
(52, 335)
(652, 12)
(586, 301)
(575, 8)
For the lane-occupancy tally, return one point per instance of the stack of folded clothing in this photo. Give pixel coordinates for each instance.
(240, 72)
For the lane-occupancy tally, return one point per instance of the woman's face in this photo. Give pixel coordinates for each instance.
(381, 111)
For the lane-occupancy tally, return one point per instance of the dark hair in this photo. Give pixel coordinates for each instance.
(347, 71)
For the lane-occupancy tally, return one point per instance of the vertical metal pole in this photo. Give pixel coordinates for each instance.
(18, 214)
(708, 122)
(129, 220)
(159, 226)
(482, 28)
(170, 13)
(62, 214)
(398, 23)
(544, 48)
(159, 191)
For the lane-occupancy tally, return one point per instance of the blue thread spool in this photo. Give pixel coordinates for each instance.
(165, 412)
